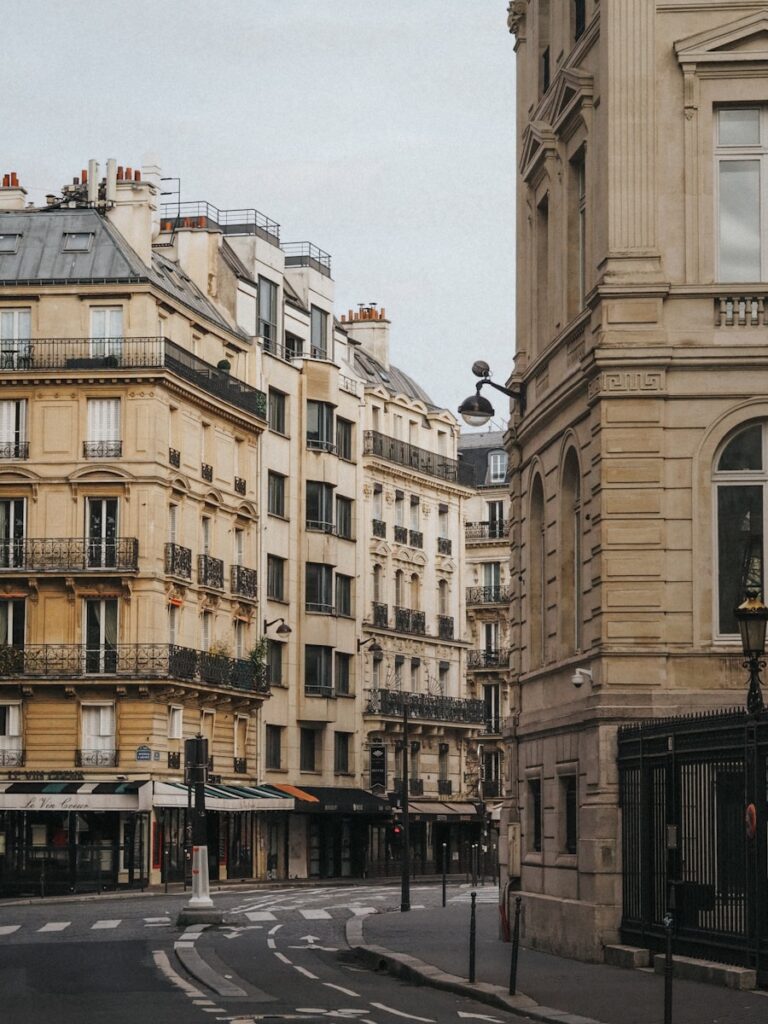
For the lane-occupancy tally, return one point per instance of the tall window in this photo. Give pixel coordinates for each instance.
(537, 575)
(173, 624)
(318, 328)
(741, 157)
(101, 528)
(569, 813)
(15, 330)
(492, 708)
(341, 747)
(343, 674)
(276, 577)
(378, 592)
(344, 439)
(495, 514)
(577, 248)
(318, 669)
(274, 736)
(103, 428)
(534, 815)
(497, 468)
(275, 662)
(11, 754)
(542, 274)
(101, 635)
(175, 722)
(320, 425)
(399, 508)
(319, 587)
(106, 332)
(12, 526)
(571, 604)
(344, 518)
(12, 622)
(276, 411)
(267, 313)
(13, 429)
(308, 750)
(343, 595)
(98, 735)
(319, 506)
(579, 18)
(275, 494)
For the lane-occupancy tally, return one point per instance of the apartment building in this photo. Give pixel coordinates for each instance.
(638, 466)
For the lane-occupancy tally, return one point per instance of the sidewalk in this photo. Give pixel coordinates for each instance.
(612, 995)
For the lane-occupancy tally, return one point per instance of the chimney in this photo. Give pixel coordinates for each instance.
(370, 328)
(12, 195)
(135, 205)
(196, 246)
(151, 174)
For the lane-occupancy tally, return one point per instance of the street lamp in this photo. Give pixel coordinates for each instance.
(476, 410)
(282, 630)
(375, 649)
(752, 617)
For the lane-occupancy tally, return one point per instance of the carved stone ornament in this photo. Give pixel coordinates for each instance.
(516, 15)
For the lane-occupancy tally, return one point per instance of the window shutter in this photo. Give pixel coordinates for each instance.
(103, 419)
(7, 422)
(106, 720)
(13, 720)
(98, 323)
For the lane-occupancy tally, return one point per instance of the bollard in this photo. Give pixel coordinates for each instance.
(668, 969)
(474, 864)
(472, 937)
(445, 865)
(515, 947)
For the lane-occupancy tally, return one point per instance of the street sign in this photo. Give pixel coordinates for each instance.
(378, 765)
(143, 753)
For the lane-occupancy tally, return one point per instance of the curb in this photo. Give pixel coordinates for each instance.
(402, 965)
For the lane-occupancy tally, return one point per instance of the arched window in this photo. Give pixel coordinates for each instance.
(741, 478)
(570, 556)
(537, 576)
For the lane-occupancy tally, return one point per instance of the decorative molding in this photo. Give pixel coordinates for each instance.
(516, 13)
(626, 382)
(575, 351)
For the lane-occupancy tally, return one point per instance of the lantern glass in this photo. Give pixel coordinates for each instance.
(752, 616)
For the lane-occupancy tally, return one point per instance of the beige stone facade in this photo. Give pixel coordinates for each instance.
(637, 467)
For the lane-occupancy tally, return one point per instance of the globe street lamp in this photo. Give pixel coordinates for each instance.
(752, 617)
(477, 410)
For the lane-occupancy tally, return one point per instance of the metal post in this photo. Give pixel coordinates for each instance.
(474, 864)
(445, 867)
(472, 937)
(668, 969)
(405, 866)
(515, 947)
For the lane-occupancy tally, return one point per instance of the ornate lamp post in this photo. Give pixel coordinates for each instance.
(477, 410)
(752, 617)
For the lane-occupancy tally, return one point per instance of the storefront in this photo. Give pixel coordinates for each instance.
(433, 824)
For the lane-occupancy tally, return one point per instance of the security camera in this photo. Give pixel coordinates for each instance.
(580, 675)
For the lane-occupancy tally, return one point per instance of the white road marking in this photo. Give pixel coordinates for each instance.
(9, 929)
(275, 929)
(271, 942)
(304, 971)
(157, 920)
(340, 988)
(55, 926)
(315, 915)
(260, 915)
(106, 924)
(183, 945)
(362, 911)
(479, 1016)
(163, 964)
(284, 958)
(398, 1013)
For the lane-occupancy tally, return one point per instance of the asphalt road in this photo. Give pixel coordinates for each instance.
(122, 960)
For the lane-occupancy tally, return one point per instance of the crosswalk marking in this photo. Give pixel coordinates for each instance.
(55, 926)
(260, 915)
(9, 929)
(315, 915)
(106, 923)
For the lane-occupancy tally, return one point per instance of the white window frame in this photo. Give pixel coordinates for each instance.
(175, 722)
(107, 331)
(13, 421)
(15, 333)
(106, 737)
(10, 740)
(103, 419)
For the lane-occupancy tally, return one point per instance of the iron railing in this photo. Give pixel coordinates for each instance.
(320, 444)
(408, 620)
(240, 485)
(444, 787)
(416, 787)
(174, 457)
(14, 450)
(206, 472)
(416, 538)
(230, 222)
(444, 546)
(319, 608)
(392, 449)
(305, 254)
(102, 449)
(320, 526)
(380, 615)
(317, 690)
(401, 534)
(491, 789)
(495, 529)
(495, 657)
(142, 661)
(174, 759)
(97, 758)
(12, 758)
(445, 627)
(240, 765)
(492, 726)
(210, 572)
(178, 561)
(69, 554)
(243, 581)
(389, 704)
(379, 528)
(489, 595)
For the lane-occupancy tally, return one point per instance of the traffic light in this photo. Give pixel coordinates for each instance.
(396, 832)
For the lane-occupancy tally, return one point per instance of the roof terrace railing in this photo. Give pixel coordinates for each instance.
(306, 254)
(231, 222)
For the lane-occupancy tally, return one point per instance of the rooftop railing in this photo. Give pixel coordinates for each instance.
(231, 222)
(425, 706)
(306, 254)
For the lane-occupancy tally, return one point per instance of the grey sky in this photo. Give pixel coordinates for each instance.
(380, 130)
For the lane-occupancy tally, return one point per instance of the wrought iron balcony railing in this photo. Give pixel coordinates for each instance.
(392, 449)
(445, 627)
(496, 529)
(102, 449)
(401, 534)
(379, 528)
(240, 485)
(492, 726)
(444, 787)
(14, 449)
(69, 554)
(491, 788)
(206, 472)
(425, 706)
(178, 561)
(210, 572)
(380, 615)
(243, 581)
(489, 595)
(97, 758)
(131, 661)
(133, 354)
(416, 538)
(240, 765)
(174, 457)
(407, 620)
(12, 758)
(416, 787)
(444, 546)
(174, 759)
(496, 657)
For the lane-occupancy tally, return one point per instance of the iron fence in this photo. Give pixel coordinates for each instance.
(490, 658)
(408, 620)
(444, 546)
(14, 450)
(494, 529)
(230, 222)
(445, 627)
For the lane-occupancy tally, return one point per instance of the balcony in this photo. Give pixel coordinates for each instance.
(416, 538)
(134, 354)
(495, 529)
(206, 472)
(380, 615)
(379, 528)
(174, 457)
(12, 758)
(240, 765)
(401, 534)
(97, 758)
(444, 546)
(491, 789)
(492, 726)
(243, 582)
(415, 787)
(305, 254)
(69, 554)
(240, 485)
(174, 759)
(444, 787)
(320, 444)
(489, 595)
(319, 608)
(102, 449)
(317, 690)
(425, 707)
(490, 658)
(320, 526)
(445, 627)
(178, 561)
(407, 620)
(392, 449)
(204, 215)
(14, 450)
(130, 661)
(210, 572)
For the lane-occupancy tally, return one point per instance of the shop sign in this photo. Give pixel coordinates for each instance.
(378, 765)
(45, 776)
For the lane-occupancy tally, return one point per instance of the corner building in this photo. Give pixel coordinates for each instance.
(639, 465)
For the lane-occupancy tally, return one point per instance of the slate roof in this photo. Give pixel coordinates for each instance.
(473, 453)
(393, 379)
(40, 259)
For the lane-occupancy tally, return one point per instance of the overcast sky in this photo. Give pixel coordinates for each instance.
(380, 130)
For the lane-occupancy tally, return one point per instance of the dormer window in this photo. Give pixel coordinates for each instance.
(78, 241)
(497, 467)
(9, 244)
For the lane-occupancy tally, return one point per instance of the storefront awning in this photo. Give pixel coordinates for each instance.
(335, 800)
(224, 798)
(435, 810)
(50, 795)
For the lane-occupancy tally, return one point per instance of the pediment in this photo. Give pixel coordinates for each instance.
(739, 41)
(572, 87)
(538, 141)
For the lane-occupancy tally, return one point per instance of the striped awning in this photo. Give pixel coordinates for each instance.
(53, 795)
(224, 798)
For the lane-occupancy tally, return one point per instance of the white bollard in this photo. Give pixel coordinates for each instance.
(201, 893)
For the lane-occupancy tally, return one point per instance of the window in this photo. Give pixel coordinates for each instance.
(205, 524)
(173, 520)
(537, 587)
(98, 735)
(77, 241)
(378, 591)
(275, 662)
(318, 587)
(274, 737)
(275, 494)
(442, 521)
(276, 413)
(534, 815)
(175, 722)
(341, 745)
(206, 622)
(741, 158)
(11, 754)
(240, 639)
(492, 579)
(414, 512)
(399, 588)
(344, 439)
(15, 329)
(307, 750)
(443, 772)
(101, 635)
(494, 511)
(343, 664)
(267, 313)
(579, 18)
(318, 667)
(491, 642)
(294, 346)
(13, 429)
(399, 662)
(207, 726)
(740, 483)
(276, 577)
(444, 678)
(443, 598)
(579, 229)
(319, 506)
(241, 737)
(415, 674)
(399, 508)
(570, 604)
(320, 426)
(239, 546)
(9, 244)
(318, 321)
(343, 595)
(12, 622)
(542, 273)
(101, 529)
(569, 803)
(12, 527)
(344, 518)
(492, 706)
(497, 467)
(173, 624)
(103, 429)
(378, 502)
(107, 332)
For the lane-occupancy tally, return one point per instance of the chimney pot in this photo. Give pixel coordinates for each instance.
(128, 173)
(137, 176)
(120, 174)
(14, 179)
(6, 181)
(84, 176)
